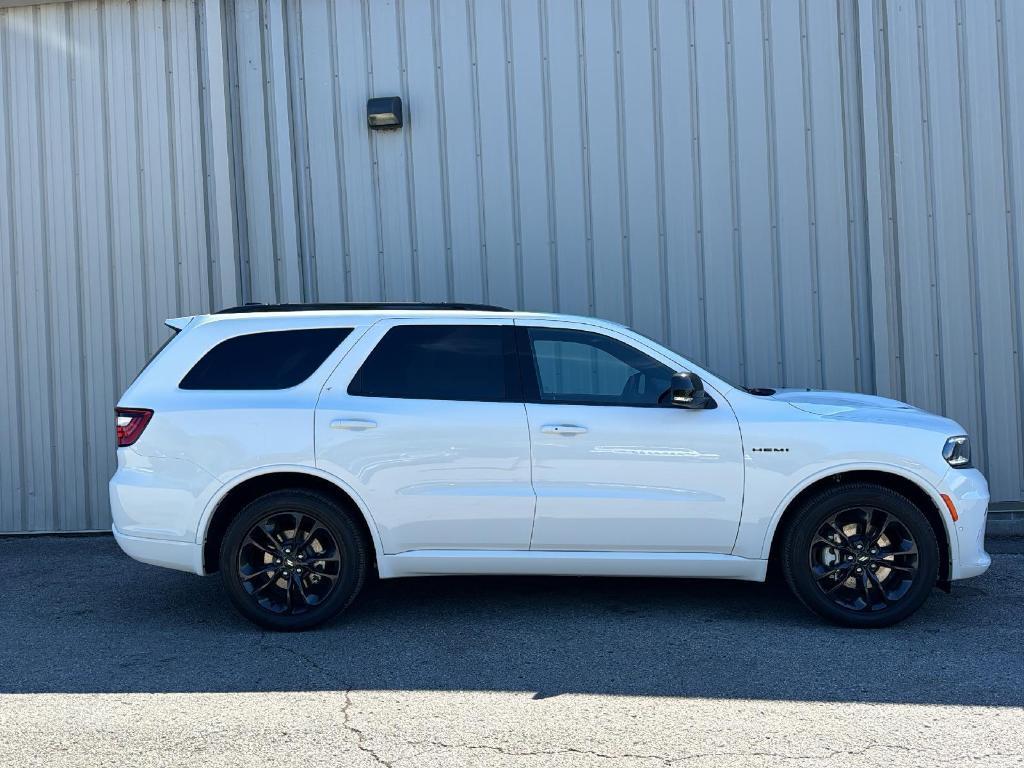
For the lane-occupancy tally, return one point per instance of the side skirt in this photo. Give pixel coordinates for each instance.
(694, 565)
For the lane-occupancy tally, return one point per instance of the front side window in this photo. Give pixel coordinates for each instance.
(268, 360)
(580, 367)
(441, 362)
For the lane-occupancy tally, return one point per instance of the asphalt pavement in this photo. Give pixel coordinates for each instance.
(107, 662)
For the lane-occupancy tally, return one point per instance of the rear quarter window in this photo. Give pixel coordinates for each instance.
(267, 360)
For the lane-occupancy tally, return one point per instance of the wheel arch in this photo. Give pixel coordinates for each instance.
(239, 491)
(915, 489)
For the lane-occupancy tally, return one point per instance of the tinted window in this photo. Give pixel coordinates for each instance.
(161, 348)
(272, 360)
(589, 368)
(441, 362)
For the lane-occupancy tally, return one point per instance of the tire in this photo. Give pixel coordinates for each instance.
(293, 559)
(860, 555)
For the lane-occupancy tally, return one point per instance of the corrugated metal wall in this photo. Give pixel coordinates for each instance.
(103, 233)
(697, 170)
(792, 192)
(954, 261)
(689, 169)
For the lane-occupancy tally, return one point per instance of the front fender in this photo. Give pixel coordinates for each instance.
(760, 521)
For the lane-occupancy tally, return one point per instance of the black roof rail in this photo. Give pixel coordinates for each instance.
(254, 307)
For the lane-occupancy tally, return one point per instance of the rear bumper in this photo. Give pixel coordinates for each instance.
(155, 503)
(179, 555)
(969, 491)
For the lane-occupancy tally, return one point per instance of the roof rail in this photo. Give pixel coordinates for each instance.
(255, 307)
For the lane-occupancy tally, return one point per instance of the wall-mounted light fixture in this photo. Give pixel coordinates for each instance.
(384, 112)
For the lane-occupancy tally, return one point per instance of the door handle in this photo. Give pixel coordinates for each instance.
(563, 429)
(355, 425)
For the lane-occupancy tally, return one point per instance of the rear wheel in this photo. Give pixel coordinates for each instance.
(293, 559)
(860, 555)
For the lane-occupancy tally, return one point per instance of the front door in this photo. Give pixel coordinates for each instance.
(424, 420)
(613, 469)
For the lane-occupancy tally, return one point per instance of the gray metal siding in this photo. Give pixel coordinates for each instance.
(792, 192)
(103, 233)
(700, 171)
(682, 168)
(957, 82)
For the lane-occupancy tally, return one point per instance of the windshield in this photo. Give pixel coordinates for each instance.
(758, 391)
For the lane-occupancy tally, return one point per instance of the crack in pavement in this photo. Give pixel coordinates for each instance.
(665, 760)
(537, 753)
(346, 719)
(361, 739)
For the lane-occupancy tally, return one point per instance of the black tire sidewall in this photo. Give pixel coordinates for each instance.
(811, 515)
(350, 540)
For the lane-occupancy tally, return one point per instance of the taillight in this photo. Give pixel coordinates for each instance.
(130, 423)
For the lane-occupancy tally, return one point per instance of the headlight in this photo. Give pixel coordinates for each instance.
(957, 452)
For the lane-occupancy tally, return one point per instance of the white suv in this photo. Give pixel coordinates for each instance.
(298, 449)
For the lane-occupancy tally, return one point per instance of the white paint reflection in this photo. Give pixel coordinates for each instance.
(21, 23)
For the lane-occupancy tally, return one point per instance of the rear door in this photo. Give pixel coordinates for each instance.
(425, 421)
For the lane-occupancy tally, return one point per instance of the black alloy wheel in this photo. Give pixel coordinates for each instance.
(863, 558)
(860, 555)
(293, 559)
(289, 562)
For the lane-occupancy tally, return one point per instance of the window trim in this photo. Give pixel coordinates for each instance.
(513, 367)
(531, 376)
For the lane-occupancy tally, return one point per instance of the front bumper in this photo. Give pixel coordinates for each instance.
(179, 555)
(969, 492)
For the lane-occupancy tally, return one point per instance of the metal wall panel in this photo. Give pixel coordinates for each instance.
(956, 74)
(698, 170)
(684, 168)
(791, 192)
(103, 234)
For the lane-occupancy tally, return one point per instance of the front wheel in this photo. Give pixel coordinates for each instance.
(293, 559)
(860, 555)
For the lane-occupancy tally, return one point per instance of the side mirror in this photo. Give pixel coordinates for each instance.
(687, 391)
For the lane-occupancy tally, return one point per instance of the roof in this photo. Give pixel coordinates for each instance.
(255, 308)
